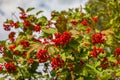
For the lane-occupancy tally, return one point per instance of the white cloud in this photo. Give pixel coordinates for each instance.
(7, 7)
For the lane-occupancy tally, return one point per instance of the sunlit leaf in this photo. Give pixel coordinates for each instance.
(39, 12)
(21, 9)
(30, 9)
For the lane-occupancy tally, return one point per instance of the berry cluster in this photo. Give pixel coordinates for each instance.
(1, 68)
(42, 55)
(10, 67)
(57, 63)
(88, 30)
(26, 23)
(12, 47)
(14, 24)
(96, 51)
(62, 39)
(98, 38)
(74, 22)
(24, 43)
(12, 36)
(117, 50)
(84, 22)
(95, 19)
(23, 15)
(37, 28)
(30, 61)
(104, 63)
(8, 26)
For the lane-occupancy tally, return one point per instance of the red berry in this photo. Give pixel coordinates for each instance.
(57, 63)
(10, 67)
(88, 30)
(23, 15)
(26, 23)
(12, 35)
(117, 50)
(84, 22)
(62, 39)
(1, 68)
(98, 38)
(30, 61)
(37, 28)
(42, 55)
(74, 22)
(24, 43)
(12, 47)
(95, 19)
(6, 27)
(96, 51)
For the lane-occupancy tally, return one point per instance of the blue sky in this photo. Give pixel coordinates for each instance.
(7, 7)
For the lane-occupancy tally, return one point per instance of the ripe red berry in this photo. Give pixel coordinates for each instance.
(62, 39)
(104, 65)
(6, 27)
(30, 61)
(117, 50)
(11, 35)
(12, 47)
(42, 55)
(96, 51)
(14, 24)
(1, 68)
(10, 67)
(26, 24)
(57, 63)
(84, 22)
(37, 28)
(23, 15)
(98, 38)
(24, 43)
(93, 54)
(95, 19)
(74, 22)
(88, 30)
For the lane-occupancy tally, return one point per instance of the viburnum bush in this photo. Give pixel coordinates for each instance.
(71, 45)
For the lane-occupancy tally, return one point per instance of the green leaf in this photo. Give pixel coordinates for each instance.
(1, 60)
(21, 9)
(30, 9)
(85, 72)
(97, 63)
(3, 42)
(19, 48)
(34, 66)
(42, 20)
(63, 57)
(52, 49)
(50, 30)
(118, 74)
(90, 66)
(93, 69)
(8, 55)
(39, 12)
(112, 59)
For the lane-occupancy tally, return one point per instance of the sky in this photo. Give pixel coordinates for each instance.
(8, 7)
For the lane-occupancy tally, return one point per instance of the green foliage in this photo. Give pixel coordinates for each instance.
(72, 45)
